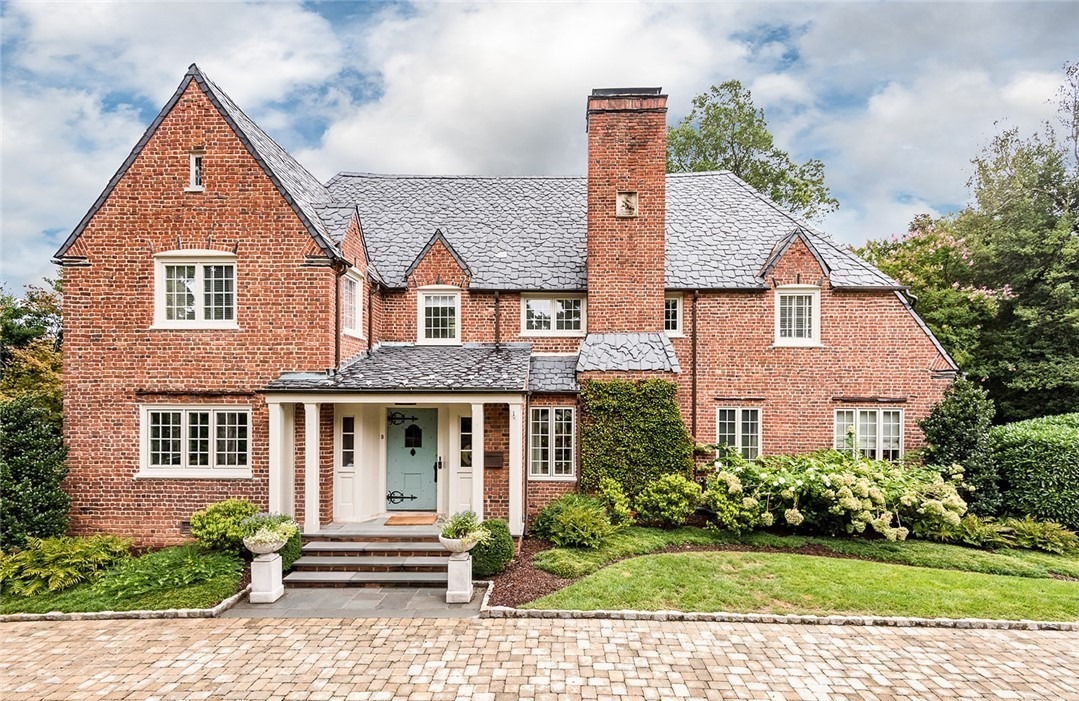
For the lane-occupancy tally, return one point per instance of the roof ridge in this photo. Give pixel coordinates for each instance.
(410, 176)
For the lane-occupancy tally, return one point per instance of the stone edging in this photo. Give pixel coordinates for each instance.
(106, 615)
(487, 611)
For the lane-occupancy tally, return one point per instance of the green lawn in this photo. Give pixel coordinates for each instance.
(802, 584)
(577, 562)
(83, 598)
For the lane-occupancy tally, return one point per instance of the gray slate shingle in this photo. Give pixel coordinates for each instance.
(627, 351)
(553, 373)
(471, 367)
(529, 233)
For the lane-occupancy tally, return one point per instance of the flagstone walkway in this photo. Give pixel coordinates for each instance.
(485, 659)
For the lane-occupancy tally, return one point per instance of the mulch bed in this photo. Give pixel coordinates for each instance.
(522, 582)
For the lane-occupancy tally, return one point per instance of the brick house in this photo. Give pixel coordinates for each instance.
(338, 351)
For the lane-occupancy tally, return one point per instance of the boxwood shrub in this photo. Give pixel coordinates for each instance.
(492, 555)
(1039, 464)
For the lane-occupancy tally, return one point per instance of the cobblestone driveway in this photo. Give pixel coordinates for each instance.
(542, 659)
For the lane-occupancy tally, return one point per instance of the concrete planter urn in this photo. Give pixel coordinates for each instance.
(262, 548)
(457, 545)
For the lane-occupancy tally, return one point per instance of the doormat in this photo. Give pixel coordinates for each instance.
(419, 520)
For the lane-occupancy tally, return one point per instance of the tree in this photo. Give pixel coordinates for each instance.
(30, 338)
(31, 470)
(724, 131)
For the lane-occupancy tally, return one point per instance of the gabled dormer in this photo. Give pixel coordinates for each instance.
(438, 275)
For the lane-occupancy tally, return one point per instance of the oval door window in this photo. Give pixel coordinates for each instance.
(413, 438)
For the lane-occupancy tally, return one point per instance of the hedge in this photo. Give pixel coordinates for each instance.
(1039, 464)
(632, 433)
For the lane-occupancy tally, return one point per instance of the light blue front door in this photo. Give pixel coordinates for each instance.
(411, 459)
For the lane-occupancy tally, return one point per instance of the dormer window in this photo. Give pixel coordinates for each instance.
(195, 289)
(439, 315)
(352, 304)
(194, 183)
(797, 315)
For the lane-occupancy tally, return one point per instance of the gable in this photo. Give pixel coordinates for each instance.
(295, 185)
(438, 264)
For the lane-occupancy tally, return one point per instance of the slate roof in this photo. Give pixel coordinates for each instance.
(627, 351)
(553, 373)
(472, 367)
(529, 233)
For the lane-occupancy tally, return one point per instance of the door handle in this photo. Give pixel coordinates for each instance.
(437, 467)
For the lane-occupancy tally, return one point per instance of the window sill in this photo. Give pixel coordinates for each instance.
(352, 333)
(549, 478)
(811, 344)
(439, 342)
(194, 189)
(553, 334)
(181, 474)
(194, 326)
(675, 334)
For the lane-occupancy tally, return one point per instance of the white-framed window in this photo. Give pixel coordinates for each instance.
(553, 438)
(195, 289)
(563, 315)
(348, 441)
(195, 441)
(672, 315)
(352, 304)
(797, 315)
(466, 441)
(874, 433)
(740, 430)
(194, 179)
(439, 315)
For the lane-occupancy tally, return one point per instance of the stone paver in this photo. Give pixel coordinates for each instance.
(361, 602)
(494, 659)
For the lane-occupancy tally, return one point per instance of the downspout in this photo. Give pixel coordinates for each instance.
(498, 319)
(370, 307)
(693, 364)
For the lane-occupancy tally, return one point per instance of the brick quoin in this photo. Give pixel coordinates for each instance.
(288, 314)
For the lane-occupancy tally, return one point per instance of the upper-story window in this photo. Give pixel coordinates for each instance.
(195, 289)
(874, 433)
(439, 312)
(352, 304)
(797, 315)
(552, 316)
(194, 182)
(672, 315)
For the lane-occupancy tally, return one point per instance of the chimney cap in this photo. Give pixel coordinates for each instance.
(618, 92)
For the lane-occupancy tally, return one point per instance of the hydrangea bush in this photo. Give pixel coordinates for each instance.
(833, 492)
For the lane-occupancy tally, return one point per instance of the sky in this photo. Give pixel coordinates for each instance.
(894, 98)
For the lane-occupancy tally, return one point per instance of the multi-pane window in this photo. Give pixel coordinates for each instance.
(874, 433)
(552, 437)
(552, 315)
(195, 172)
(739, 430)
(197, 438)
(798, 316)
(195, 293)
(352, 304)
(672, 314)
(438, 317)
(348, 441)
(466, 441)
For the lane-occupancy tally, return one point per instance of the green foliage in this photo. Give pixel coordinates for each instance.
(632, 433)
(1039, 464)
(465, 526)
(169, 568)
(32, 468)
(668, 501)
(731, 509)
(972, 531)
(573, 520)
(30, 359)
(615, 501)
(724, 131)
(1049, 536)
(59, 563)
(292, 551)
(493, 555)
(957, 431)
(221, 526)
(836, 492)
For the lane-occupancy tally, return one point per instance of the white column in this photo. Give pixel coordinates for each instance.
(288, 491)
(517, 470)
(276, 447)
(311, 522)
(477, 459)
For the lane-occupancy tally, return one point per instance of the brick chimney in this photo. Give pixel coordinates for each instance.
(627, 208)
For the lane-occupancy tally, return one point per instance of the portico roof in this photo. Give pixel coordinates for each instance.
(471, 367)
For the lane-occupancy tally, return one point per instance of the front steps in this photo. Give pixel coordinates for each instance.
(384, 560)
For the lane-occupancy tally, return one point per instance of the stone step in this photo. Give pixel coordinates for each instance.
(371, 563)
(371, 538)
(366, 579)
(394, 548)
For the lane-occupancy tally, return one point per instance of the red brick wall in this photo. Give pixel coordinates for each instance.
(496, 481)
(284, 313)
(626, 152)
(870, 346)
(352, 250)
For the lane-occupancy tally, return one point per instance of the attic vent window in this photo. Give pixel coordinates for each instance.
(195, 178)
(626, 205)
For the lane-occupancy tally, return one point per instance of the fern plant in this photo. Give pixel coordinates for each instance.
(56, 564)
